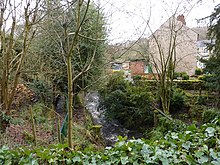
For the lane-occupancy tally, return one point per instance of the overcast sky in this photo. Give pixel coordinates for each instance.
(127, 18)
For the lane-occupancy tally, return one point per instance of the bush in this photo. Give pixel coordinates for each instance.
(116, 82)
(165, 125)
(202, 77)
(178, 99)
(137, 77)
(114, 103)
(129, 104)
(198, 71)
(209, 115)
(201, 100)
(190, 84)
(183, 84)
(176, 74)
(206, 77)
(185, 76)
(196, 112)
(43, 90)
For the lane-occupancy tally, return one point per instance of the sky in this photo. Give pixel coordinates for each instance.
(127, 19)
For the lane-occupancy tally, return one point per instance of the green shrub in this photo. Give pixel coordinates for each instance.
(202, 77)
(155, 134)
(198, 71)
(116, 82)
(43, 90)
(196, 112)
(178, 99)
(190, 84)
(137, 77)
(115, 103)
(209, 115)
(40, 113)
(183, 84)
(206, 77)
(185, 76)
(129, 104)
(176, 74)
(201, 100)
(165, 125)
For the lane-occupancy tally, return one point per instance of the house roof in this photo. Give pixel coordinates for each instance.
(170, 19)
(202, 31)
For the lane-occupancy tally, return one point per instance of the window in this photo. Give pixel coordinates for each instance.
(148, 68)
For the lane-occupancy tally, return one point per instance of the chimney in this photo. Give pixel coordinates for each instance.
(181, 18)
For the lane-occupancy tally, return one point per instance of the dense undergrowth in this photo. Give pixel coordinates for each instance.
(165, 141)
(130, 104)
(192, 146)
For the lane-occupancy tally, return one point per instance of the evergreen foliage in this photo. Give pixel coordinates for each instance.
(51, 44)
(130, 104)
(212, 65)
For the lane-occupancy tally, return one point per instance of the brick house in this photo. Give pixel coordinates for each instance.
(137, 67)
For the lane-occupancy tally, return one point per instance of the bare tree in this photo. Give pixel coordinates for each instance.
(172, 48)
(11, 13)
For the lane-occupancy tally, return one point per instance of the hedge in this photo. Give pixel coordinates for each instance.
(183, 84)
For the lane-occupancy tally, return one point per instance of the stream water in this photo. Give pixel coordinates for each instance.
(111, 129)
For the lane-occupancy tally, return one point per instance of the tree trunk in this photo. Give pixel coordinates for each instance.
(70, 100)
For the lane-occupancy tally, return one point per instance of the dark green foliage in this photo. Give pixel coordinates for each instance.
(190, 146)
(190, 84)
(83, 55)
(165, 125)
(201, 100)
(52, 48)
(176, 74)
(212, 65)
(129, 104)
(115, 103)
(5, 121)
(210, 114)
(214, 30)
(198, 71)
(178, 100)
(196, 111)
(136, 77)
(183, 84)
(116, 82)
(43, 90)
(210, 81)
(185, 76)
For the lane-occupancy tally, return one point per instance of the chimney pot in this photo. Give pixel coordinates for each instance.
(181, 18)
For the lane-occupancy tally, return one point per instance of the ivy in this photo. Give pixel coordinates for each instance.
(190, 146)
